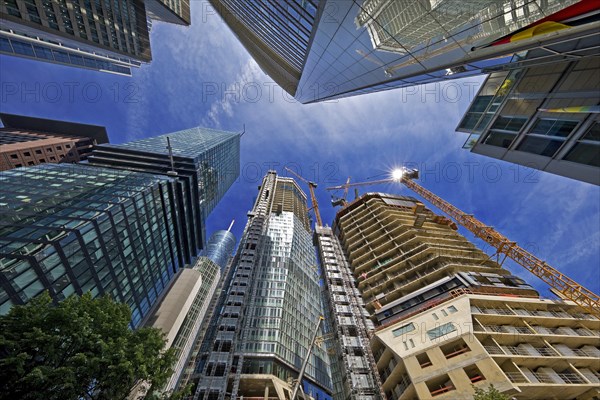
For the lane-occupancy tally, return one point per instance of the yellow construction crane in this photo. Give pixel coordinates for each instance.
(562, 284)
(311, 187)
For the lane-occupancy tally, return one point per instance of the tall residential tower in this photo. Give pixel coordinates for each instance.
(448, 317)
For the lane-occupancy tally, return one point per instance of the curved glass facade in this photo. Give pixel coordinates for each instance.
(219, 247)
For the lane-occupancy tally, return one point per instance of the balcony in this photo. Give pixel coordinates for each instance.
(556, 378)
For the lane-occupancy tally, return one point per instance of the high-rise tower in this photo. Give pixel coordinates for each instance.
(72, 229)
(270, 306)
(448, 317)
(321, 50)
(108, 36)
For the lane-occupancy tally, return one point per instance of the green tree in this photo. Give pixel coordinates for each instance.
(81, 348)
(490, 394)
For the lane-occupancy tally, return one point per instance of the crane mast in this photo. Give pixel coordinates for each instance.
(566, 286)
(313, 199)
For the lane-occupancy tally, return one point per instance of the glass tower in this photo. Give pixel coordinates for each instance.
(270, 307)
(72, 229)
(220, 247)
(206, 162)
(103, 35)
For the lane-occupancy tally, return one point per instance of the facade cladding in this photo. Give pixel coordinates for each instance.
(276, 33)
(364, 46)
(447, 317)
(543, 117)
(72, 229)
(268, 311)
(205, 161)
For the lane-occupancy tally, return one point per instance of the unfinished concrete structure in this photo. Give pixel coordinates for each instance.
(353, 370)
(448, 317)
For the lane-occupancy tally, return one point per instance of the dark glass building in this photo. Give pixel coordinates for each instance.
(206, 162)
(364, 46)
(276, 33)
(72, 229)
(269, 308)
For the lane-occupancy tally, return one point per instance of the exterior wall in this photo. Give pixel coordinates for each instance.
(268, 312)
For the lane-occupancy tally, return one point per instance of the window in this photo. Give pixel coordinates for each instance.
(587, 149)
(441, 330)
(452, 309)
(444, 313)
(38, 152)
(553, 127)
(435, 316)
(403, 329)
(27, 154)
(546, 136)
(14, 156)
(58, 147)
(504, 130)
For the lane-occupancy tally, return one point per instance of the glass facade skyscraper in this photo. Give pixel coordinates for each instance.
(206, 162)
(270, 307)
(365, 46)
(72, 229)
(103, 35)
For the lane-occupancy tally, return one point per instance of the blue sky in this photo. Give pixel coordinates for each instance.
(201, 76)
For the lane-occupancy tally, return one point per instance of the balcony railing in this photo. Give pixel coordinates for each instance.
(532, 313)
(544, 377)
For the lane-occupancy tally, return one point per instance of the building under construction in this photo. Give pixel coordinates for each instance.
(449, 318)
(271, 303)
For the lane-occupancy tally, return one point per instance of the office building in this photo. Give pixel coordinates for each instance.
(353, 368)
(92, 34)
(205, 161)
(448, 317)
(73, 228)
(270, 306)
(357, 47)
(543, 117)
(26, 141)
(276, 34)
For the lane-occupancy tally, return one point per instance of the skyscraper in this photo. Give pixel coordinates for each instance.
(206, 162)
(72, 229)
(270, 307)
(357, 47)
(448, 317)
(276, 34)
(30, 141)
(543, 117)
(100, 35)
